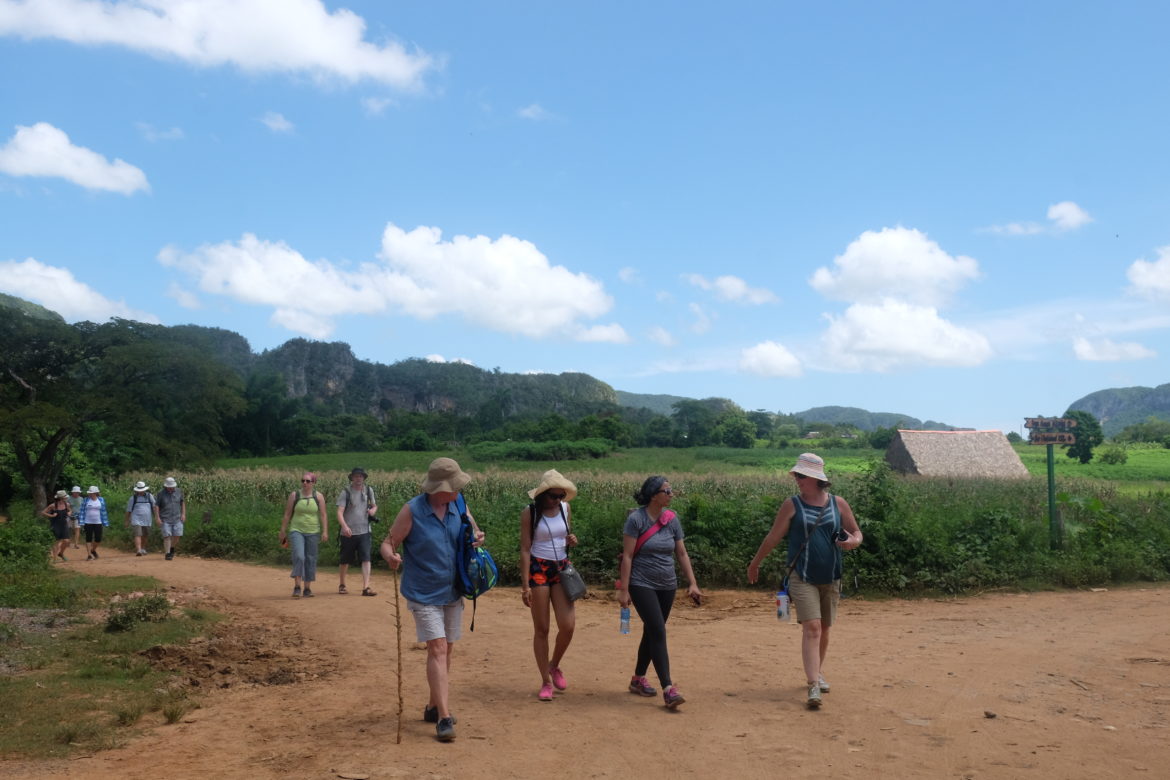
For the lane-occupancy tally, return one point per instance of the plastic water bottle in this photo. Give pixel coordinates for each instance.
(782, 612)
(625, 624)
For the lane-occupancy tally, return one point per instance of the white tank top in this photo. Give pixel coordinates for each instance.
(548, 541)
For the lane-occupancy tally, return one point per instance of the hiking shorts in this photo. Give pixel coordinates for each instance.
(354, 549)
(93, 532)
(140, 530)
(172, 529)
(814, 602)
(542, 571)
(437, 621)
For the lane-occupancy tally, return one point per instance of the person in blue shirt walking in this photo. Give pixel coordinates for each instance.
(423, 540)
(93, 517)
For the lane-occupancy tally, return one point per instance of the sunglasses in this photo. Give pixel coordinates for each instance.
(667, 491)
(556, 496)
(310, 481)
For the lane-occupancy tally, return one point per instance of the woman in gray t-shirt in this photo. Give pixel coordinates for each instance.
(653, 540)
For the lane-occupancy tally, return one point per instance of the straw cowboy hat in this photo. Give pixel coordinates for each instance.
(553, 479)
(810, 465)
(61, 494)
(444, 476)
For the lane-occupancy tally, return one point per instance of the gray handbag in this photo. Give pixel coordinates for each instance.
(572, 583)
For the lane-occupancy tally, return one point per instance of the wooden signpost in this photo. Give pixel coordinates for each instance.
(1052, 431)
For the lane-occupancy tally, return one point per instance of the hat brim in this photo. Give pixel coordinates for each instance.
(554, 482)
(807, 472)
(449, 485)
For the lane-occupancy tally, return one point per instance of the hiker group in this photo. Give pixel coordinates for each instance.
(433, 525)
(71, 514)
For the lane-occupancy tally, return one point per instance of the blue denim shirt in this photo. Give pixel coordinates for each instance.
(428, 554)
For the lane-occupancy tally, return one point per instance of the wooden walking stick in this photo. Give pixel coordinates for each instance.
(398, 636)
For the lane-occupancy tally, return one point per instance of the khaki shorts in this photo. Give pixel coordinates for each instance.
(437, 621)
(814, 602)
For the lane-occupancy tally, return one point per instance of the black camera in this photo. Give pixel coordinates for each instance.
(841, 536)
(375, 519)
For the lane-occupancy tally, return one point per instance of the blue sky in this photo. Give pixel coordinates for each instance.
(956, 213)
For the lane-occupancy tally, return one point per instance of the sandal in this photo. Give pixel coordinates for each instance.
(368, 592)
(341, 589)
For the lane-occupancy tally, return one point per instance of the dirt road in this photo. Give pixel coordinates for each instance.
(1078, 682)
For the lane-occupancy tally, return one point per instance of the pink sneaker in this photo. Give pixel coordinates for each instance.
(672, 698)
(558, 678)
(641, 686)
(546, 693)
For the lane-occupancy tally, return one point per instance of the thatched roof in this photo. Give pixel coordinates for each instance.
(979, 454)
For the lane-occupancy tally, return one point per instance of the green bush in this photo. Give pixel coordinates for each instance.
(151, 608)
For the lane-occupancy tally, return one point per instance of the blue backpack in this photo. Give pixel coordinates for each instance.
(477, 569)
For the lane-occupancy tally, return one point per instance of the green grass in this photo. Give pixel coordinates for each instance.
(86, 688)
(645, 460)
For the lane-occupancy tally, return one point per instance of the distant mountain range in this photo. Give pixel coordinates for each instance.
(1119, 407)
(329, 376)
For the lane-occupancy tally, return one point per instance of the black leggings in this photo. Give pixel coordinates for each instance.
(653, 608)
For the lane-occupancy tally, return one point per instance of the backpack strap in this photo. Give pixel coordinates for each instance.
(663, 521)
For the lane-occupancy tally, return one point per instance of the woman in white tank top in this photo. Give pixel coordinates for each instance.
(544, 544)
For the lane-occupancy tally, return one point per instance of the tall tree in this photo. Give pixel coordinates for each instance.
(166, 401)
(1088, 433)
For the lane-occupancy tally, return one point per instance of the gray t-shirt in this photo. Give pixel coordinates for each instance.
(653, 566)
(170, 505)
(141, 509)
(356, 503)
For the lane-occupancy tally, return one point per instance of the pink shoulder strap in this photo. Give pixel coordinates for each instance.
(663, 521)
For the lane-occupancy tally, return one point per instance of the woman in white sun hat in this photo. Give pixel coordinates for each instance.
(819, 527)
(94, 517)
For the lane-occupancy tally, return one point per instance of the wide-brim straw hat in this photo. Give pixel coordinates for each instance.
(810, 466)
(61, 494)
(554, 479)
(444, 476)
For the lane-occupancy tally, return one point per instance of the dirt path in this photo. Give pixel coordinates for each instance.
(1079, 684)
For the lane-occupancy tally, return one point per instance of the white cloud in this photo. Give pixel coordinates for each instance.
(661, 336)
(769, 359)
(702, 322)
(612, 334)
(1067, 215)
(313, 325)
(629, 275)
(44, 150)
(152, 134)
(663, 296)
(535, 112)
(441, 359)
(259, 36)
(376, 106)
(1107, 350)
(891, 334)
(1062, 217)
(1151, 279)
(276, 122)
(896, 263)
(182, 296)
(59, 290)
(732, 288)
(490, 283)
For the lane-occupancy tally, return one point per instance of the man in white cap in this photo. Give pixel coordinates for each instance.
(141, 512)
(172, 513)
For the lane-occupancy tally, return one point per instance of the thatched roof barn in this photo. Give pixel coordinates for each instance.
(978, 454)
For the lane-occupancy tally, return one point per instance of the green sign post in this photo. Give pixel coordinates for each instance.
(1051, 431)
